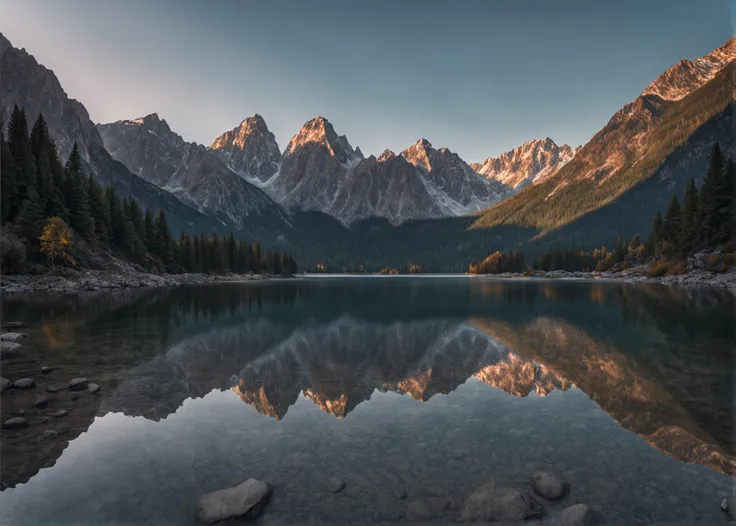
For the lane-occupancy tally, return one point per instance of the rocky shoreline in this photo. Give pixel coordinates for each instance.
(92, 280)
(697, 277)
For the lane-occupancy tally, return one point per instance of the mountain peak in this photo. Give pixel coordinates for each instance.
(386, 156)
(531, 163)
(319, 131)
(686, 76)
(249, 149)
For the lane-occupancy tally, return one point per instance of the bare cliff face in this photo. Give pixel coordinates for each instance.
(188, 170)
(530, 163)
(250, 150)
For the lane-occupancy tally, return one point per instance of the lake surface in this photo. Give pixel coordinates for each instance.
(413, 391)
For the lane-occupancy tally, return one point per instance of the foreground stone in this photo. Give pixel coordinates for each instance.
(50, 433)
(729, 508)
(18, 422)
(549, 485)
(4, 383)
(335, 485)
(42, 402)
(494, 503)
(45, 369)
(9, 349)
(78, 384)
(59, 413)
(93, 388)
(12, 337)
(54, 389)
(245, 500)
(24, 383)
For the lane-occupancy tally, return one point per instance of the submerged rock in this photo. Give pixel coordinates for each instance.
(93, 388)
(335, 485)
(42, 402)
(24, 383)
(729, 508)
(4, 383)
(8, 349)
(12, 336)
(492, 502)
(549, 485)
(78, 384)
(50, 433)
(246, 499)
(17, 422)
(45, 369)
(59, 413)
(53, 389)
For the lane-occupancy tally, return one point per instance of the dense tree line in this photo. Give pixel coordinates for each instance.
(498, 263)
(35, 186)
(706, 217)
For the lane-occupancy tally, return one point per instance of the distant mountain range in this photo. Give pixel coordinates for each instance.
(326, 201)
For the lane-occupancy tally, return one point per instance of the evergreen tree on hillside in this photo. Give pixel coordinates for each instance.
(135, 214)
(99, 208)
(149, 226)
(727, 210)
(19, 143)
(117, 219)
(711, 196)
(31, 219)
(690, 219)
(49, 172)
(9, 199)
(164, 243)
(75, 195)
(657, 229)
(672, 225)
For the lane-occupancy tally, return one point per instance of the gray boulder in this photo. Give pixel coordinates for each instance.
(17, 422)
(12, 337)
(78, 384)
(24, 383)
(92, 388)
(549, 485)
(335, 485)
(246, 499)
(9, 349)
(492, 502)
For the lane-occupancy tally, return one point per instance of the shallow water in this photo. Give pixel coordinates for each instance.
(424, 387)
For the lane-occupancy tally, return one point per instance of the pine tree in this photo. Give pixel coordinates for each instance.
(131, 242)
(48, 169)
(163, 245)
(117, 233)
(672, 225)
(197, 257)
(257, 259)
(136, 216)
(711, 191)
(657, 229)
(19, 143)
(75, 195)
(690, 219)
(150, 228)
(31, 218)
(9, 199)
(726, 229)
(99, 208)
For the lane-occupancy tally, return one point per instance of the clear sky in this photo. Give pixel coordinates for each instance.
(478, 77)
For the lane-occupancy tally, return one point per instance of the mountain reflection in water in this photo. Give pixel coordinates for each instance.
(658, 360)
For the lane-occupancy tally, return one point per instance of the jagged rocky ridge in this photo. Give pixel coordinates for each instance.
(35, 88)
(188, 170)
(531, 163)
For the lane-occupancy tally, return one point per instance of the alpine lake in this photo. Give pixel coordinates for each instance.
(409, 391)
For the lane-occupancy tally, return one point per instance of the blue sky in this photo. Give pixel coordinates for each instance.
(478, 77)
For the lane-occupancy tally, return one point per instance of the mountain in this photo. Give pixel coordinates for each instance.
(250, 150)
(531, 163)
(452, 181)
(320, 171)
(36, 89)
(651, 133)
(188, 170)
(313, 167)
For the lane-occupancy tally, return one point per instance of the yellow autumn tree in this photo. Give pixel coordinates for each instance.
(56, 241)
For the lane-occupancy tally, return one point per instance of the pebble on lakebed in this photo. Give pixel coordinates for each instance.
(244, 500)
(549, 485)
(10, 349)
(492, 502)
(24, 383)
(17, 422)
(78, 384)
